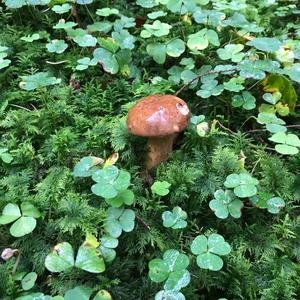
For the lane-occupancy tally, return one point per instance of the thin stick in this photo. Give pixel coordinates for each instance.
(55, 62)
(143, 222)
(18, 106)
(258, 130)
(199, 76)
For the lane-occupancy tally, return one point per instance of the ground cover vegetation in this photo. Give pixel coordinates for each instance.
(79, 218)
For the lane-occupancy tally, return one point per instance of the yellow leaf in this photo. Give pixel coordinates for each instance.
(91, 240)
(279, 83)
(111, 160)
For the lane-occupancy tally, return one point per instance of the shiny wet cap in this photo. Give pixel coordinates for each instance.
(158, 115)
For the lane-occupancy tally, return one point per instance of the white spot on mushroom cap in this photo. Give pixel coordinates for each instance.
(183, 109)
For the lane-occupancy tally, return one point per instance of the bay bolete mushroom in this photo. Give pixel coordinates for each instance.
(160, 118)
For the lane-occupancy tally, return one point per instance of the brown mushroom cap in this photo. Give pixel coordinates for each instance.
(158, 115)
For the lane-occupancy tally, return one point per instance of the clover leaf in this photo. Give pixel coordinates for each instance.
(208, 251)
(28, 281)
(265, 44)
(84, 168)
(86, 40)
(235, 84)
(111, 181)
(244, 185)
(31, 38)
(57, 46)
(124, 39)
(61, 9)
(201, 39)
(175, 219)
(160, 188)
(62, 258)
(85, 62)
(62, 24)
(274, 205)
(286, 143)
(38, 80)
(105, 12)
(210, 88)
(5, 156)
(25, 222)
(232, 52)
(156, 14)
(172, 268)
(246, 100)
(225, 203)
(169, 295)
(107, 59)
(104, 26)
(107, 245)
(157, 29)
(118, 220)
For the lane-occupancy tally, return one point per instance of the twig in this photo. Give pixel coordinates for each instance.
(258, 130)
(143, 222)
(18, 106)
(55, 62)
(199, 76)
(225, 128)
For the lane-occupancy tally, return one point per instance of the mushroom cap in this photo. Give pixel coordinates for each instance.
(158, 116)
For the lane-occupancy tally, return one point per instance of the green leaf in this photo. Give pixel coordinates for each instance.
(102, 295)
(105, 190)
(113, 227)
(107, 60)
(64, 25)
(57, 46)
(123, 197)
(199, 245)
(106, 175)
(175, 260)
(158, 270)
(127, 220)
(160, 188)
(124, 39)
(169, 295)
(244, 184)
(61, 9)
(28, 281)
(123, 181)
(232, 52)
(175, 219)
(84, 167)
(155, 14)
(88, 259)
(10, 213)
(86, 40)
(157, 51)
(175, 48)
(217, 245)
(289, 143)
(23, 226)
(104, 26)
(29, 210)
(78, 293)
(177, 280)
(157, 29)
(234, 84)
(210, 261)
(105, 12)
(38, 80)
(246, 100)
(109, 242)
(31, 38)
(274, 205)
(196, 42)
(286, 149)
(265, 44)
(61, 258)
(294, 72)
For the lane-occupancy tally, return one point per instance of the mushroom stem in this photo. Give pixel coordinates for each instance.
(159, 149)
